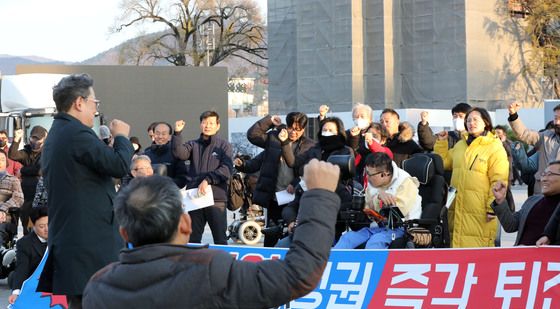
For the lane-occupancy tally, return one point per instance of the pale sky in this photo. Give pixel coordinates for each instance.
(66, 30)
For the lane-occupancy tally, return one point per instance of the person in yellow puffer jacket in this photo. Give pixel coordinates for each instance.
(477, 162)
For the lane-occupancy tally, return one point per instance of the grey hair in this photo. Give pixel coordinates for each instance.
(137, 158)
(359, 105)
(69, 89)
(149, 210)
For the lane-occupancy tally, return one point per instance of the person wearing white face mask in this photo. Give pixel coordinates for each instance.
(362, 115)
(426, 137)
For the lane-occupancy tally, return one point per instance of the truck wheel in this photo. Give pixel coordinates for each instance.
(250, 233)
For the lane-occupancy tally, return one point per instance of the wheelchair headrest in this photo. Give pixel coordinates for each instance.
(160, 169)
(345, 163)
(438, 163)
(421, 166)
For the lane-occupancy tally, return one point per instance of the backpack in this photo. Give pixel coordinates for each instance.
(238, 195)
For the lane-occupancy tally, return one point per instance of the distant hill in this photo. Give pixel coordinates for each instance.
(8, 62)
(236, 66)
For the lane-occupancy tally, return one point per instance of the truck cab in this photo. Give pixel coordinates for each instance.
(26, 101)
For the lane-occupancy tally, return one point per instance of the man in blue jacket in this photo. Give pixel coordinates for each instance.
(210, 165)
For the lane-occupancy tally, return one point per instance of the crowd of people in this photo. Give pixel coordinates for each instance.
(75, 173)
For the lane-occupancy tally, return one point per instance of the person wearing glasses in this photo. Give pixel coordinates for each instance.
(78, 169)
(275, 174)
(477, 162)
(29, 157)
(141, 166)
(530, 221)
(387, 185)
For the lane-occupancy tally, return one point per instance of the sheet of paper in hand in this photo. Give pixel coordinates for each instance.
(193, 201)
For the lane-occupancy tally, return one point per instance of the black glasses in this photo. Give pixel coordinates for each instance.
(548, 173)
(371, 175)
(96, 101)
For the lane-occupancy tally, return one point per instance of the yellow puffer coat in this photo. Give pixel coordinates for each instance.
(476, 168)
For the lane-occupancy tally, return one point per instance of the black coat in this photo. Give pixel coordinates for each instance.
(30, 170)
(163, 154)
(29, 252)
(172, 276)
(264, 135)
(83, 235)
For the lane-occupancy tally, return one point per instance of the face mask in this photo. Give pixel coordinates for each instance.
(459, 124)
(557, 129)
(2, 143)
(35, 146)
(327, 133)
(361, 123)
(135, 146)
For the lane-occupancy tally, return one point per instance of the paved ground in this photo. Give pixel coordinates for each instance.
(519, 192)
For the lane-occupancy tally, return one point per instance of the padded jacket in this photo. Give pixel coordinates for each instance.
(263, 134)
(171, 276)
(209, 160)
(402, 145)
(476, 168)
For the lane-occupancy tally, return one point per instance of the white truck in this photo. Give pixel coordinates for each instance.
(26, 101)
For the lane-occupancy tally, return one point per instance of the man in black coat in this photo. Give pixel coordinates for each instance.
(30, 250)
(400, 136)
(29, 157)
(162, 272)
(275, 175)
(77, 169)
(161, 152)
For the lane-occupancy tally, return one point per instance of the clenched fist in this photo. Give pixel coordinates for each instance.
(424, 117)
(18, 134)
(442, 135)
(276, 120)
(119, 127)
(179, 125)
(321, 175)
(514, 107)
(499, 190)
(283, 135)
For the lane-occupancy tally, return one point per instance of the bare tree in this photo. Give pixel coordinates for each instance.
(197, 32)
(543, 25)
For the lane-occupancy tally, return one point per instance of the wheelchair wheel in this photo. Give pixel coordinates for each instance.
(249, 233)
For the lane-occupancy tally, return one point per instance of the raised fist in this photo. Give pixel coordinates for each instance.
(179, 125)
(119, 127)
(237, 162)
(321, 175)
(424, 117)
(499, 190)
(514, 108)
(276, 120)
(283, 135)
(355, 131)
(442, 135)
(18, 134)
(323, 110)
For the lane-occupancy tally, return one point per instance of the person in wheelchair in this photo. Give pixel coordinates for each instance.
(11, 196)
(387, 185)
